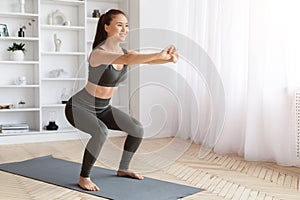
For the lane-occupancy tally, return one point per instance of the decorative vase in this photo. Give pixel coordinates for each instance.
(64, 96)
(17, 55)
(21, 80)
(96, 13)
(51, 126)
(22, 6)
(50, 19)
(57, 43)
(21, 33)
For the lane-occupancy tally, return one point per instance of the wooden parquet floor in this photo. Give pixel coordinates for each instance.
(222, 176)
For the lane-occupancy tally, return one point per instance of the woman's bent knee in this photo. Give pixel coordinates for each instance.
(138, 130)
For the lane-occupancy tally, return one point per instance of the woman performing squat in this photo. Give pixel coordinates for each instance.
(89, 109)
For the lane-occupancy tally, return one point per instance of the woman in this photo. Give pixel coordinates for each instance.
(89, 109)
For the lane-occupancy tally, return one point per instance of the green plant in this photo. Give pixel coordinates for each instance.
(16, 46)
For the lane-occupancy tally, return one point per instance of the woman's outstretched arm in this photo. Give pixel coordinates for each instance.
(99, 56)
(172, 51)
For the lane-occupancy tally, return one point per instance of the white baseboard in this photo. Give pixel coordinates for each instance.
(49, 137)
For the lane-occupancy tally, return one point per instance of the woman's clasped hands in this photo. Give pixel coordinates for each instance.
(170, 53)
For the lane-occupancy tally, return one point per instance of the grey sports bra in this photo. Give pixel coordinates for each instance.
(107, 75)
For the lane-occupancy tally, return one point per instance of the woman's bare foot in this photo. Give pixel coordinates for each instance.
(128, 173)
(86, 184)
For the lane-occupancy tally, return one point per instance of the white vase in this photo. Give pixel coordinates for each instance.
(17, 55)
(22, 6)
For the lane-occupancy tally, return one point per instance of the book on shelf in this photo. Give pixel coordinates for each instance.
(14, 127)
(15, 131)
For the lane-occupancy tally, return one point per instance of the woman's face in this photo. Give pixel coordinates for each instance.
(118, 27)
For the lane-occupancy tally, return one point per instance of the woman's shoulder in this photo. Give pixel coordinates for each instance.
(131, 52)
(124, 50)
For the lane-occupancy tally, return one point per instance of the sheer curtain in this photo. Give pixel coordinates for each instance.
(253, 44)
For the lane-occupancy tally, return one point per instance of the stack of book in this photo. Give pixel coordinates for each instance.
(14, 128)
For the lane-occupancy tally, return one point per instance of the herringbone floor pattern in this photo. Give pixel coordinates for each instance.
(222, 176)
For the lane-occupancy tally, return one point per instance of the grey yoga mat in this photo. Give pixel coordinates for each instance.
(65, 174)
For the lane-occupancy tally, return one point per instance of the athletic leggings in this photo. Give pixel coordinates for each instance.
(95, 116)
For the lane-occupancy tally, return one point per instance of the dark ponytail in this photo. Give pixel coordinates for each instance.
(105, 18)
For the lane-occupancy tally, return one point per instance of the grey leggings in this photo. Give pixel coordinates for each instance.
(95, 116)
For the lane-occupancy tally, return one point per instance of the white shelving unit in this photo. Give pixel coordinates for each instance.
(10, 92)
(42, 93)
(68, 58)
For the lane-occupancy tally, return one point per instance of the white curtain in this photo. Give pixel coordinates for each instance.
(254, 46)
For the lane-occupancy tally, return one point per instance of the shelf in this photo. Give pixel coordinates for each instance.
(19, 86)
(36, 132)
(54, 106)
(61, 27)
(119, 106)
(60, 130)
(64, 53)
(20, 62)
(20, 38)
(20, 110)
(63, 2)
(92, 19)
(63, 79)
(18, 15)
(107, 1)
(20, 133)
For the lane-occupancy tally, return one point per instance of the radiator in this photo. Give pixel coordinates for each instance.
(297, 112)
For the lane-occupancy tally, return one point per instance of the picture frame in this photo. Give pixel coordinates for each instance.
(4, 30)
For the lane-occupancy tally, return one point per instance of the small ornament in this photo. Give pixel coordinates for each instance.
(64, 96)
(50, 19)
(96, 13)
(57, 73)
(57, 43)
(52, 126)
(21, 80)
(58, 18)
(22, 6)
(21, 104)
(21, 33)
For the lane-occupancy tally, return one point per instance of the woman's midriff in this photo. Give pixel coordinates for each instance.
(100, 91)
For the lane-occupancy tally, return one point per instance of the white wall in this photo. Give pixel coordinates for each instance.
(158, 14)
(157, 82)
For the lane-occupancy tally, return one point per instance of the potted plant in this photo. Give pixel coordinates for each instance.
(17, 51)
